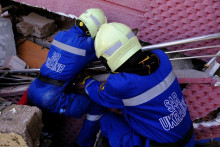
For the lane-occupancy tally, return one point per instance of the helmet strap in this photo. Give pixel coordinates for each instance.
(83, 27)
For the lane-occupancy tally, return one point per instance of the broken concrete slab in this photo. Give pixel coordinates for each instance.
(21, 125)
(33, 54)
(7, 42)
(25, 28)
(13, 90)
(41, 26)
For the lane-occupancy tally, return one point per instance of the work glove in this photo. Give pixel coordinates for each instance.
(83, 76)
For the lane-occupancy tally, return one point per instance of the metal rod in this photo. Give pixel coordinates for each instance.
(192, 49)
(20, 71)
(193, 57)
(183, 41)
(97, 67)
(207, 65)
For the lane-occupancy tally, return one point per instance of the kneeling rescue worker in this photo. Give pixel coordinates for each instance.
(69, 52)
(144, 87)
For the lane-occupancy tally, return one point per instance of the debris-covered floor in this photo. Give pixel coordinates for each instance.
(26, 33)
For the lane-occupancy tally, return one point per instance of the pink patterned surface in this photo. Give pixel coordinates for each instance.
(207, 132)
(169, 20)
(128, 12)
(201, 99)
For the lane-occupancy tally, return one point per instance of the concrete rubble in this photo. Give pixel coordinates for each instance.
(14, 62)
(21, 125)
(36, 25)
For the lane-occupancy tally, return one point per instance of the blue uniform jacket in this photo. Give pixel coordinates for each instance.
(153, 105)
(69, 52)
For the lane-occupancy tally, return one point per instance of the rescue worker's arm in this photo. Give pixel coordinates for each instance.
(103, 93)
(91, 52)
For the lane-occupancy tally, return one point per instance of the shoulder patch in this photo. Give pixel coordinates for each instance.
(102, 86)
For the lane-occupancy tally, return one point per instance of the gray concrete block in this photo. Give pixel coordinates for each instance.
(21, 125)
(7, 42)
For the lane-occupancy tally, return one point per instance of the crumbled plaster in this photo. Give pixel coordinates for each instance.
(215, 122)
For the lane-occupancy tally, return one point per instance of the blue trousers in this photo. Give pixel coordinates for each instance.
(52, 98)
(118, 132)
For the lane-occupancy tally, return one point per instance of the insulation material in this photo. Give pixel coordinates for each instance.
(201, 99)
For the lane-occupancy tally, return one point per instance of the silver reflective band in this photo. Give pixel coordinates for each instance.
(112, 49)
(68, 48)
(88, 85)
(151, 93)
(95, 20)
(93, 117)
(130, 35)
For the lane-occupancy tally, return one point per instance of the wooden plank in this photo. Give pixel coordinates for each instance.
(33, 54)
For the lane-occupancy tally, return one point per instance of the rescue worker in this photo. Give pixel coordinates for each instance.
(144, 87)
(69, 52)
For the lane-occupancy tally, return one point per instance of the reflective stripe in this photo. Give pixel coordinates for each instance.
(87, 86)
(69, 48)
(112, 49)
(151, 93)
(93, 117)
(95, 20)
(130, 35)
